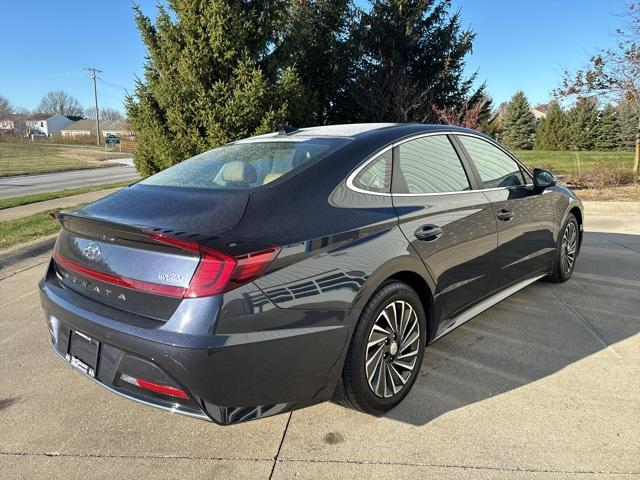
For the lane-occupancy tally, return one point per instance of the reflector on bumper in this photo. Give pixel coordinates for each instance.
(154, 387)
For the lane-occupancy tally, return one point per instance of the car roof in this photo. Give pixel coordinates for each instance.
(357, 131)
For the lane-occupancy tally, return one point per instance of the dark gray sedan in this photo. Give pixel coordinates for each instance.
(302, 266)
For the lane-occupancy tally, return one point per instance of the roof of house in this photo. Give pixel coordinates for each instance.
(538, 114)
(89, 125)
(47, 116)
(115, 125)
(543, 107)
(40, 116)
(81, 125)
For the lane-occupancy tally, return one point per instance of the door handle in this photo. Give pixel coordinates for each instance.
(505, 215)
(428, 233)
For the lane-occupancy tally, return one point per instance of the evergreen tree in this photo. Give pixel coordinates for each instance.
(628, 121)
(518, 124)
(411, 58)
(553, 131)
(316, 42)
(205, 80)
(608, 130)
(583, 124)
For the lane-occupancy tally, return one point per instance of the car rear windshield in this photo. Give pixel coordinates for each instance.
(245, 164)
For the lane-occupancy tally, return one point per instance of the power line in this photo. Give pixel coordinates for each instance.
(116, 85)
(102, 94)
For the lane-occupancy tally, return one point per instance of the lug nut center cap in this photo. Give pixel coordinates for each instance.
(393, 348)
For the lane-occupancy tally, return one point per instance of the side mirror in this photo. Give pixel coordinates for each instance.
(543, 178)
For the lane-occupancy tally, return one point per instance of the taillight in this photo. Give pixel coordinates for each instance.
(211, 275)
(217, 272)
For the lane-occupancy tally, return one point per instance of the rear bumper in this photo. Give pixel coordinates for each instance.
(145, 400)
(229, 378)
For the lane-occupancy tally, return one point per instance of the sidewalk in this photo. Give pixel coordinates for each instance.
(621, 217)
(520, 392)
(55, 204)
(593, 206)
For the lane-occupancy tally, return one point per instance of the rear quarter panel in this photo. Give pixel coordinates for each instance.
(340, 270)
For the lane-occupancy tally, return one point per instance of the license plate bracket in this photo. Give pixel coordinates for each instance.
(83, 353)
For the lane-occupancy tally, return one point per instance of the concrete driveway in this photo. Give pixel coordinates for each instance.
(544, 385)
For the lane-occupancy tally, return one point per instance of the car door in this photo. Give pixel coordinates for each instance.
(524, 214)
(451, 226)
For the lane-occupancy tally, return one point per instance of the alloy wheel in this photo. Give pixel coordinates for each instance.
(569, 248)
(392, 349)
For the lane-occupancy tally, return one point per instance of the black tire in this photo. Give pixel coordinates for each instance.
(561, 270)
(393, 298)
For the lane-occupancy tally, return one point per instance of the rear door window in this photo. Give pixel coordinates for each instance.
(496, 168)
(245, 164)
(429, 165)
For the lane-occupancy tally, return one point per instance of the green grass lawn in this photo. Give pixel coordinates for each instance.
(27, 157)
(14, 232)
(565, 162)
(41, 197)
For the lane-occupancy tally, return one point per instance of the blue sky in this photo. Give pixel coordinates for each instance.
(519, 45)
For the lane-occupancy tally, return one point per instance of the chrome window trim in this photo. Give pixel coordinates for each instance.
(370, 159)
(374, 156)
(503, 150)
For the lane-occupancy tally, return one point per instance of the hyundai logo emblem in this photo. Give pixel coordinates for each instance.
(91, 251)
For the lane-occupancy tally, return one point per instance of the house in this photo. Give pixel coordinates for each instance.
(86, 127)
(80, 128)
(119, 128)
(46, 124)
(12, 124)
(539, 112)
(539, 115)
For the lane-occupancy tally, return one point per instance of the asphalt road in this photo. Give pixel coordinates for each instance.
(50, 182)
(544, 385)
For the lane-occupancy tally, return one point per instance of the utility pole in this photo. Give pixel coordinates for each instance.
(94, 73)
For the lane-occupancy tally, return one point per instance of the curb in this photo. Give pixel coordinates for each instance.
(14, 255)
(22, 211)
(23, 175)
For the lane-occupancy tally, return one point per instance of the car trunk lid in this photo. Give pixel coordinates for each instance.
(139, 260)
(171, 209)
(121, 266)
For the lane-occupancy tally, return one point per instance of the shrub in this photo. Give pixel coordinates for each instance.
(602, 175)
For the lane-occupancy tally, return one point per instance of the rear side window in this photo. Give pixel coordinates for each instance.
(429, 165)
(376, 176)
(496, 168)
(245, 164)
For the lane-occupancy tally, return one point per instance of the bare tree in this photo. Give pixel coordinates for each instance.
(60, 102)
(105, 114)
(5, 107)
(468, 116)
(613, 74)
(393, 96)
